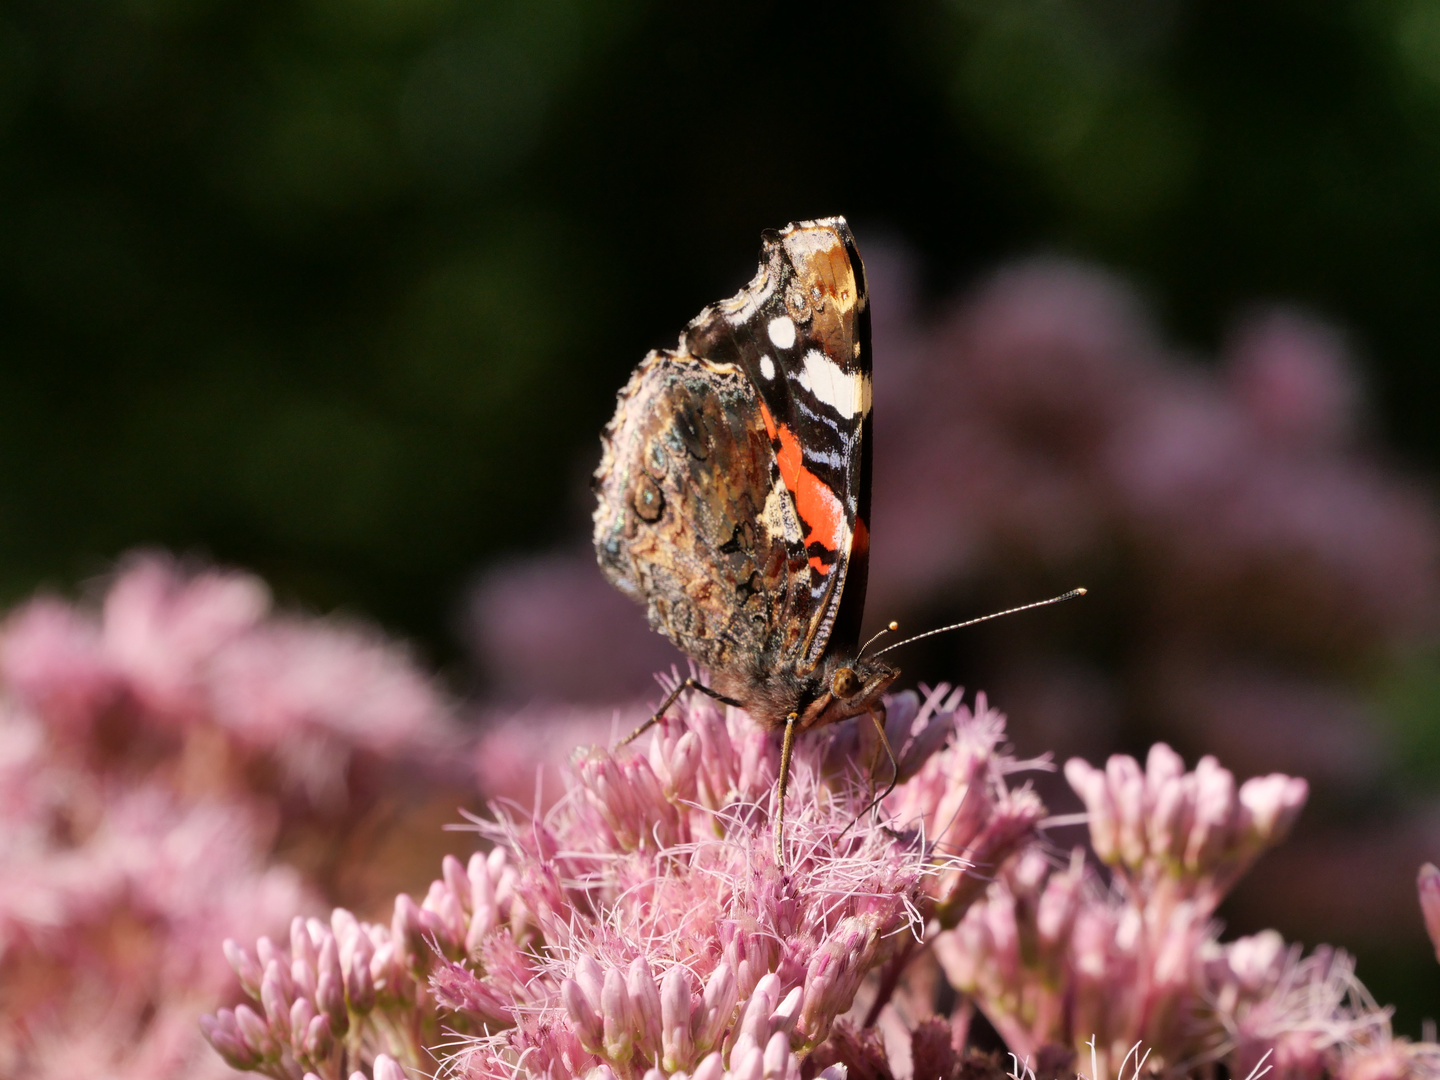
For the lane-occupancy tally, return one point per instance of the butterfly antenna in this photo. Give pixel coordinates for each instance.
(1071, 595)
(878, 635)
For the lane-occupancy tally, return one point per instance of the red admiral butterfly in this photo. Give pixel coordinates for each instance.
(734, 491)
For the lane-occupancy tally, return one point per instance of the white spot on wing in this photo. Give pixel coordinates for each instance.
(779, 515)
(782, 332)
(846, 394)
(767, 367)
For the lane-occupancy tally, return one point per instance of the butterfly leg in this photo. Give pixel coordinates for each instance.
(689, 684)
(785, 750)
(877, 715)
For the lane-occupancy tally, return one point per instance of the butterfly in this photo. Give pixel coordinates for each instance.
(733, 492)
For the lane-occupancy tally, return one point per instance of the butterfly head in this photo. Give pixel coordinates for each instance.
(849, 687)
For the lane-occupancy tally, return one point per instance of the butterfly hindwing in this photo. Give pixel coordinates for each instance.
(690, 521)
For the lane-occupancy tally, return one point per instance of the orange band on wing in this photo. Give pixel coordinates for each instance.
(816, 503)
(860, 545)
(769, 421)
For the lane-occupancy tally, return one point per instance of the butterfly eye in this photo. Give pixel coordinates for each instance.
(845, 684)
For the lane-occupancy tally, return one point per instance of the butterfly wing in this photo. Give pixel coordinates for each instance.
(801, 332)
(690, 521)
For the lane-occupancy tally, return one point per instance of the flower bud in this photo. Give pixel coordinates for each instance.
(359, 985)
(712, 1068)
(302, 947)
(1127, 793)
(676, 1044)
(246, 969)
(319, 1040)
(302, 976)
(645, 1002)
(617, 1017)
(223, 1033)
(776, 1061)
(1271, 804)
(442, 916)
(755, 1021)
(275, 999)
(330, 987)
(583, 1017)
(407, 930)
(386, 971)
(1089, 783)
(346, 928)
(1210, 832)
(255, 1033)
(386, 1068)
(747, 1064)
(456, 879)
(1055, 913)
(590, 979)
(266, 952)
(1169, 818)
(301, 1013)
(743, 1044)
(484, 914)
(717, 1007)
(685, 764)
(784, 1017)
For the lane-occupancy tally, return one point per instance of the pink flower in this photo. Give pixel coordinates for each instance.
(183, 656)
(642, 922)
(154, 756)
(640, 928)
(1196, 829)
(1059, 959)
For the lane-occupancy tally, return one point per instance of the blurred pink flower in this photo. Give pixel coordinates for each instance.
(550, 629)
(1428, 884)
(1293, 377)
(111, 897)
(155, 754)
(179, 657)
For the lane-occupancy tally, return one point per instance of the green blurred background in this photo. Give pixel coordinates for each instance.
(341, 290)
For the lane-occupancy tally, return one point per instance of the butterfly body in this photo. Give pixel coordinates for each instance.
(734, 487)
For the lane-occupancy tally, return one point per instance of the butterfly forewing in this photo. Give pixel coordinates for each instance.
(800, 330)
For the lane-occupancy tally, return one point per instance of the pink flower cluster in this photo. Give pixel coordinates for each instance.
(1057, 958)
(175, 657)
(642, 926)
(156, 752)
(641, 929)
